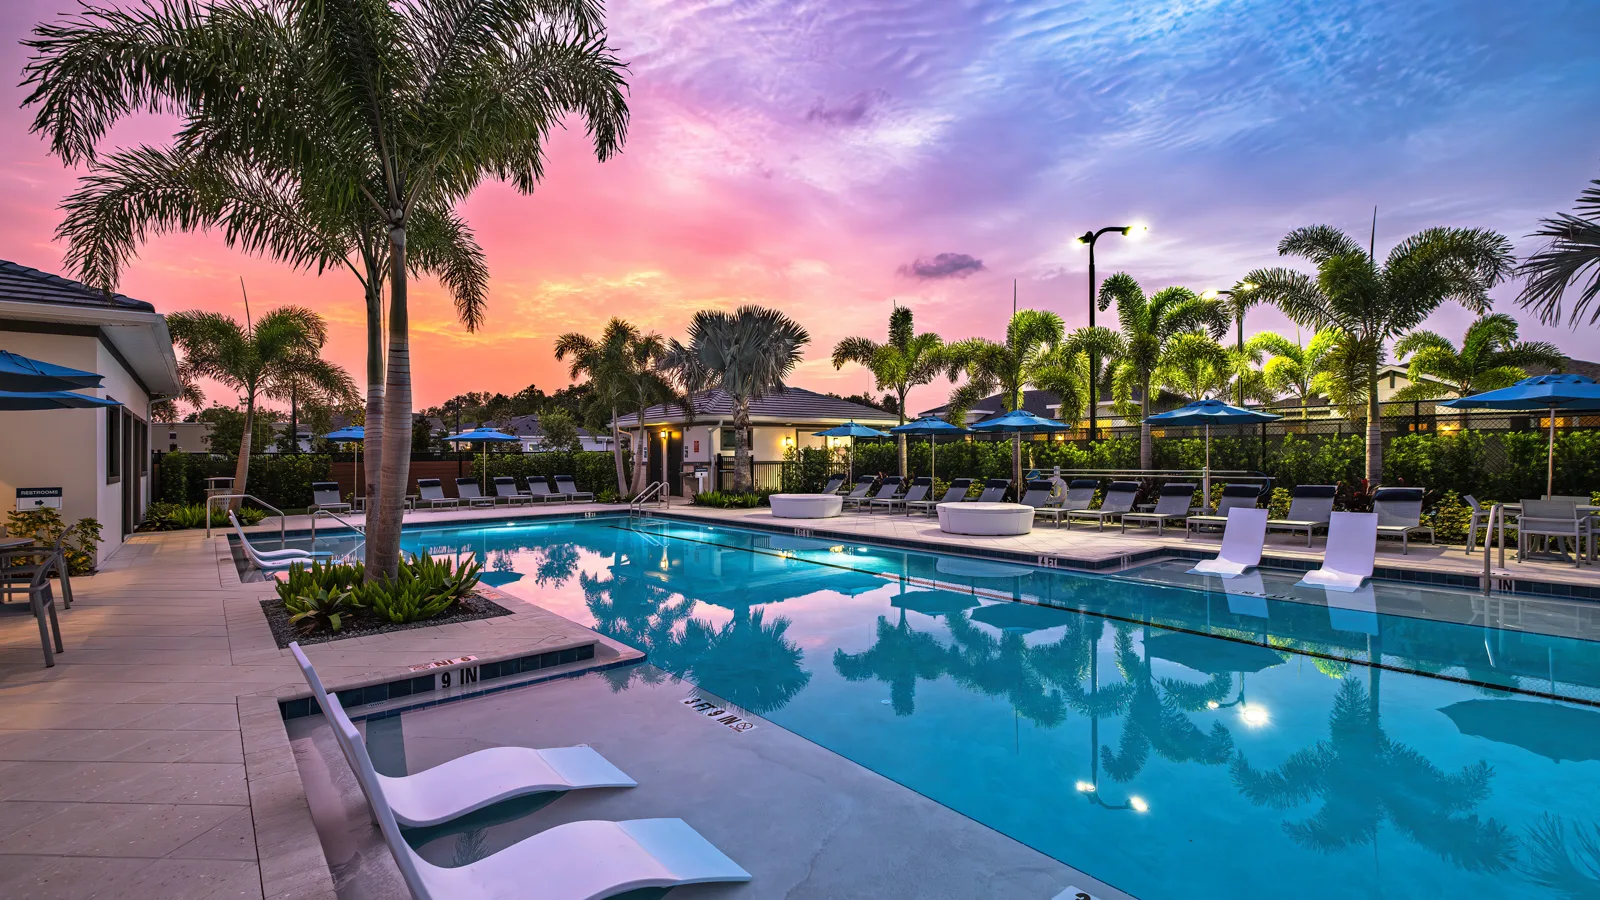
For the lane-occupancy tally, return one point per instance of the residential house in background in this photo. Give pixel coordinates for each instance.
(186, 437)
(98, 458)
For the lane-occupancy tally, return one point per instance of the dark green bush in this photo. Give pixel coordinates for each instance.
(731, 500)
(281, 480)
(163, 516)
(46, 526)
(806, 470)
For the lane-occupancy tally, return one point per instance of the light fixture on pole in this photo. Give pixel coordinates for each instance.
(1089, 237)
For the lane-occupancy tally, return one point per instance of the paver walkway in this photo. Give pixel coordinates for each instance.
(152, 761)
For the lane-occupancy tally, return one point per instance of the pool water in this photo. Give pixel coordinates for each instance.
(1165, 736)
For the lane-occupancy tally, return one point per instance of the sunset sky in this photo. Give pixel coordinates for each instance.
(827, 157)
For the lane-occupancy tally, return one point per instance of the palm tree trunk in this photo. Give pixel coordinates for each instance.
(383, 530)
(241, 468)
(294, 421)
(373, 426)
(1147, 449)
(641, 458)
(904, 471)
(1374, 429)
(616, 453)
(741, 445)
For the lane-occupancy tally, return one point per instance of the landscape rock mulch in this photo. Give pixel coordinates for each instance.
(473, 606)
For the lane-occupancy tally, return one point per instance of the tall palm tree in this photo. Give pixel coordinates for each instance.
(1238, 301)
(1372, 303)
(301, 387)
(1067, 369)
(381, 109)
(255, 358)
(1490, 357)
(1005, 366)
(623, 368)
(1148, 325)
(1195, 366)
(132, 195)
(907, 360)
(747, 353)
(1571, 256)
(1290, 368)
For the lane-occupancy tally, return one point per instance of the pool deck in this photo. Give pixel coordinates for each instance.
(153, 759)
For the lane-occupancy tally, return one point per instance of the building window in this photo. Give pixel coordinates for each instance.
(172, 435)
(113, 444)
(729, 442)
(173, 448)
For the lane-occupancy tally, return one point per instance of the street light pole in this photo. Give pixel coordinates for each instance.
(1089, 237)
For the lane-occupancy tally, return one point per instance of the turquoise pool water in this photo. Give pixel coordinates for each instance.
(1175, 741)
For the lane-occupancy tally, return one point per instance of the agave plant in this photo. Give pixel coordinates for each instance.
(319, 607)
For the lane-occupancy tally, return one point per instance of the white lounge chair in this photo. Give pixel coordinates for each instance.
(575, 861)
(1309, 508)
(325, 495)
(505, 488)
(1353, 611)
(431, 492)
(1118, 500)
(568, 489)
(1399, 512)
(1352, 548)
(1174, 503)
(468, 783)
(1247, 595)
(273, 559)
(953, 494)
(1242, 540)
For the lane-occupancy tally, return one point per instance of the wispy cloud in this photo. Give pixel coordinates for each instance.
(944, 265)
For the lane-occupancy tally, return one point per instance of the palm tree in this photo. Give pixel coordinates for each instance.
(1291, 368)
(746, 353)
(1239, 300)
(1372, 302)
(900, 657)
(1571, 255)
(1148, 325)
(381, 110)
(623, 369)
(1068, 368)
(1491, 357)
(908, 359)
(1008, 367)
(257, 358)
(148, 191)
(1195, 366)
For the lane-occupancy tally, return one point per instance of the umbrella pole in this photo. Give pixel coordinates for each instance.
(1205, 483)
(850, 467)
(1016, 461)
(931, 452)
(1550, 459)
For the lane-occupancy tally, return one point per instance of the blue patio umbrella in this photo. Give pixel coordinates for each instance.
(351, 434)
(852, 431)
(484, 436)
(1574, 393)
(16, 401)
(1209, 413)
(932, 426)
(19, 373)
(1016, 422)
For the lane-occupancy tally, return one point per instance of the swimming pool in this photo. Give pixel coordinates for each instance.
(1173, 741)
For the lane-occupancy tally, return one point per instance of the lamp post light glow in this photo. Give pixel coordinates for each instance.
(1254, 715)
(1089, 237)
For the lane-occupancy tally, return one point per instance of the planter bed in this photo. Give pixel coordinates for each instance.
(473, 606)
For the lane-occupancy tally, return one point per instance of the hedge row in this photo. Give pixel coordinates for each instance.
(281, 480)
(594, 470)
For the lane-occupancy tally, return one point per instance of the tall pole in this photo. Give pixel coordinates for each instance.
(1089, 237)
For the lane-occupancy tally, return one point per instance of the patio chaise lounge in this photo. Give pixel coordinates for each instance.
(1351, 550)
(863, 485)
(1234, 496)
(482, 778)
(1309, 509)
(1399, 512)
(920, 486)
(431, 492)
(954, 493)
(888, 489)
(1173, 503)
(567, 489)
(1242, 540)
(1117, 502)
(273, 559)
(505, 488)
(539, 489)
(574, 861)
(467, 489)
(994, 491)
(1037, 495)
(834, 483)
(325, 496)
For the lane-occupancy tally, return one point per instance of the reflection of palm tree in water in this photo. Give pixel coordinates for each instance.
(638, 613)
(1364, 778)
(1157, 720)
(1001, 668)
(1572, 872)
(557, 562)
(899, 657)
(747, 662)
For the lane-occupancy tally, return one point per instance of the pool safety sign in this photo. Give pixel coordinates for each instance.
(713, 710)
(39, 498)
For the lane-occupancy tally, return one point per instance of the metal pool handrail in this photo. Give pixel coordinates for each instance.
(336, 517)
(655, 490)
(1496, 512)
(283, 534)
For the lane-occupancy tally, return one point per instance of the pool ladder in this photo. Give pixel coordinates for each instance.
(655, 492)
(1496, 513)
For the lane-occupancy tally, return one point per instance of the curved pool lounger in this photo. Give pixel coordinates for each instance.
(1242, 541)
(273, 559)
(480, 779)
(990, 519)
(806, 506)
(575, 861)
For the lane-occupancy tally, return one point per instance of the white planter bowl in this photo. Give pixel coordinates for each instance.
(985, 518)
(806, 506)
